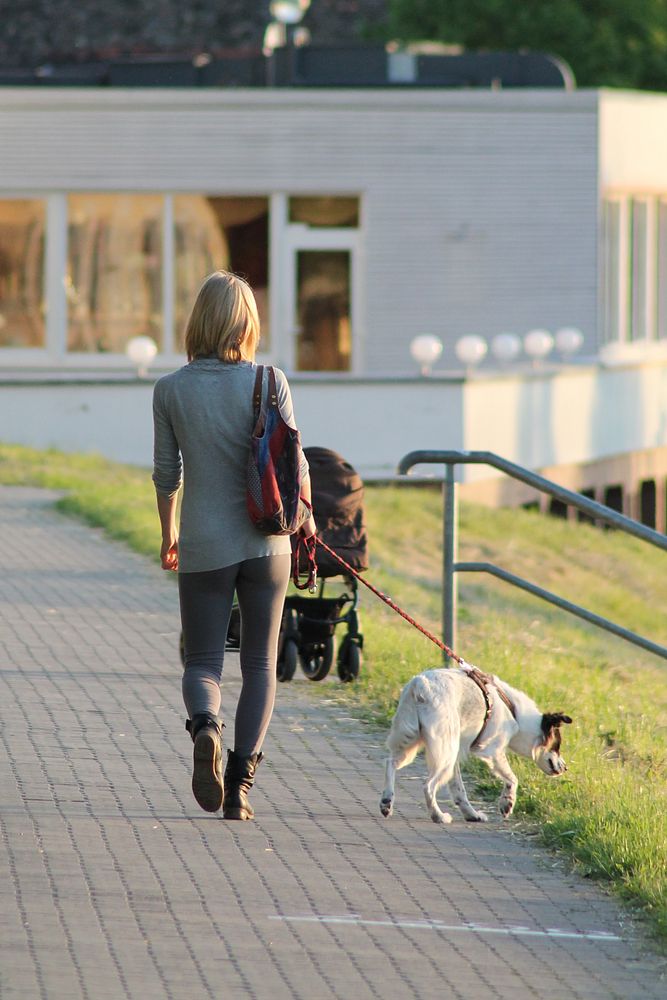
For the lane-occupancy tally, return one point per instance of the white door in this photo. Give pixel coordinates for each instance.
(321, 300)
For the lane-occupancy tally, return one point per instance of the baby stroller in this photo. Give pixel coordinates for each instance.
(307, 634)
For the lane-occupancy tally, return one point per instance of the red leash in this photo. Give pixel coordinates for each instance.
(310, 545)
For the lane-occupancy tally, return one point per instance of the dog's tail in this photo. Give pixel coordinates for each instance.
(405, 736)
(421, 689)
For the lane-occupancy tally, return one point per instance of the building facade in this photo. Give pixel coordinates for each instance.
(362, 218)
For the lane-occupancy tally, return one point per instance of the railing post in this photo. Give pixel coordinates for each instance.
(450, 556)
(451, 565)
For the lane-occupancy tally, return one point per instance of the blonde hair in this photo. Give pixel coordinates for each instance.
(224, 320)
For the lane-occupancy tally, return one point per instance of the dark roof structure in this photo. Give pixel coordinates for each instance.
(50, 32)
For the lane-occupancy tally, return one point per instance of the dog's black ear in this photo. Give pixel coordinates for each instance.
(550, 719)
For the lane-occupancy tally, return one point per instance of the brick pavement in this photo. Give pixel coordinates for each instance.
(113, 883)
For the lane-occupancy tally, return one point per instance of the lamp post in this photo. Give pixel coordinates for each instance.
(568, 341)
(426, 349)
(141, 351)
(506, 347)
(471, 350)
(281, 31)
(538, 344)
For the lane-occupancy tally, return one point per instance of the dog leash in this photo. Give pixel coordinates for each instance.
(310, 545)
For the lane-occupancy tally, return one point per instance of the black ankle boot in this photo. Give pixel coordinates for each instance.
(207, 782)
(239, 779)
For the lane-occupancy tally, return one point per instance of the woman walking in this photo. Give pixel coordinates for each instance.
(203, 420)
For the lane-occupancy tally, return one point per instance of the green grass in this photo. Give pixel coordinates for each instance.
(609, 813)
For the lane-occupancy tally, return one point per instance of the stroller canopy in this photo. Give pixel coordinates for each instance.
(338, 506)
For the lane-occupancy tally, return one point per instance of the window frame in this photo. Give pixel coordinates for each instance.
(293, 237)
(33, 356)
(624, 283)
(284, 240)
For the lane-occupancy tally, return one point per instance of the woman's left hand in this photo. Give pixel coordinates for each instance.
(169, 555)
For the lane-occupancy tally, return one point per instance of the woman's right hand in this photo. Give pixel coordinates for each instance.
(169, 555)
(308, 528)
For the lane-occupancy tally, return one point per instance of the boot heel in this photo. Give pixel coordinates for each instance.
(239, 779)
(237, 812)
(207, 780)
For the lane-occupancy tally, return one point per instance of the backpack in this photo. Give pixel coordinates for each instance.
(273, 493)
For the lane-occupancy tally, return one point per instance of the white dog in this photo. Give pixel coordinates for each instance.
(454, 712)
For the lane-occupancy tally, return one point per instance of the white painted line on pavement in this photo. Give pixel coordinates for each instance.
(437, 925)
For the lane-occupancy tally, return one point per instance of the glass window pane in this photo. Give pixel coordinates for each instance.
(323, 310)
(212, 233)
(639, 271)
(338, 213)
(612, 264)
(22, 273)
(662, 269)
(114, 277)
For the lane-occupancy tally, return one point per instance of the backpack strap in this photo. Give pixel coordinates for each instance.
(257, 393)
(273, 388)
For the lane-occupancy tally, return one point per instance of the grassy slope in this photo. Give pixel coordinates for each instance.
(610, 812)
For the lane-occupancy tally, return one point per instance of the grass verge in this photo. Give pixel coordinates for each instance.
(609, 813)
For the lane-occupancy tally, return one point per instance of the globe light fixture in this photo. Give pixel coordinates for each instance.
(506, 347)
(470, 350)
(426, 349)
(538, 344)
(288, 11)
(568, 341)
(141, 351)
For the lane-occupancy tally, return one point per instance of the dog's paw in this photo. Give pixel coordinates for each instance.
(506, 808)
(441, 817)
(386, 807)
(479, 817)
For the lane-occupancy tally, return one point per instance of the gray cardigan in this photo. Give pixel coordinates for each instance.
(203, 419)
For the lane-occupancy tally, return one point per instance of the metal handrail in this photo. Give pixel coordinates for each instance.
(451, 566)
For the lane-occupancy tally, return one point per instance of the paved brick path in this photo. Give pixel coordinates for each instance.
(114, 884)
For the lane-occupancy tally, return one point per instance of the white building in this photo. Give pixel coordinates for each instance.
(362, 218)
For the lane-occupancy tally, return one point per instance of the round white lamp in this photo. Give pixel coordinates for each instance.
(568, 341)
(289, 11)
(141, 351)
(538, 344)
(426, 349)
(471, 350)
(506, 347)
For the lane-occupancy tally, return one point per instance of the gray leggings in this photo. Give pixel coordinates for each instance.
(206, 603)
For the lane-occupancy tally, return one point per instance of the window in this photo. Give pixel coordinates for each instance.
(81, 274)
(22, 273)
(640, 325)
(323, 310)
(647, 502)
(662, 269)
(612, 270)
(211, 233)
(323, 212)
(635, 268)
(114, 270)
(613, 497)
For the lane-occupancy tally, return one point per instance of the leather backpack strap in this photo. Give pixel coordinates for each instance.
(257, 393)
(273, 388)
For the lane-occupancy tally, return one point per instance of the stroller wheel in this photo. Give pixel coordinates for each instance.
(317, 658)
(286, 666)
(349, 660)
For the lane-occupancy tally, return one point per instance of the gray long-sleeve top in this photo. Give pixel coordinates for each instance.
(203, 420)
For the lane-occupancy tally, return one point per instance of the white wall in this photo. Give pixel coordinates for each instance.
(544, 419)
(633, 142)
(371, 424)
(574, 416)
